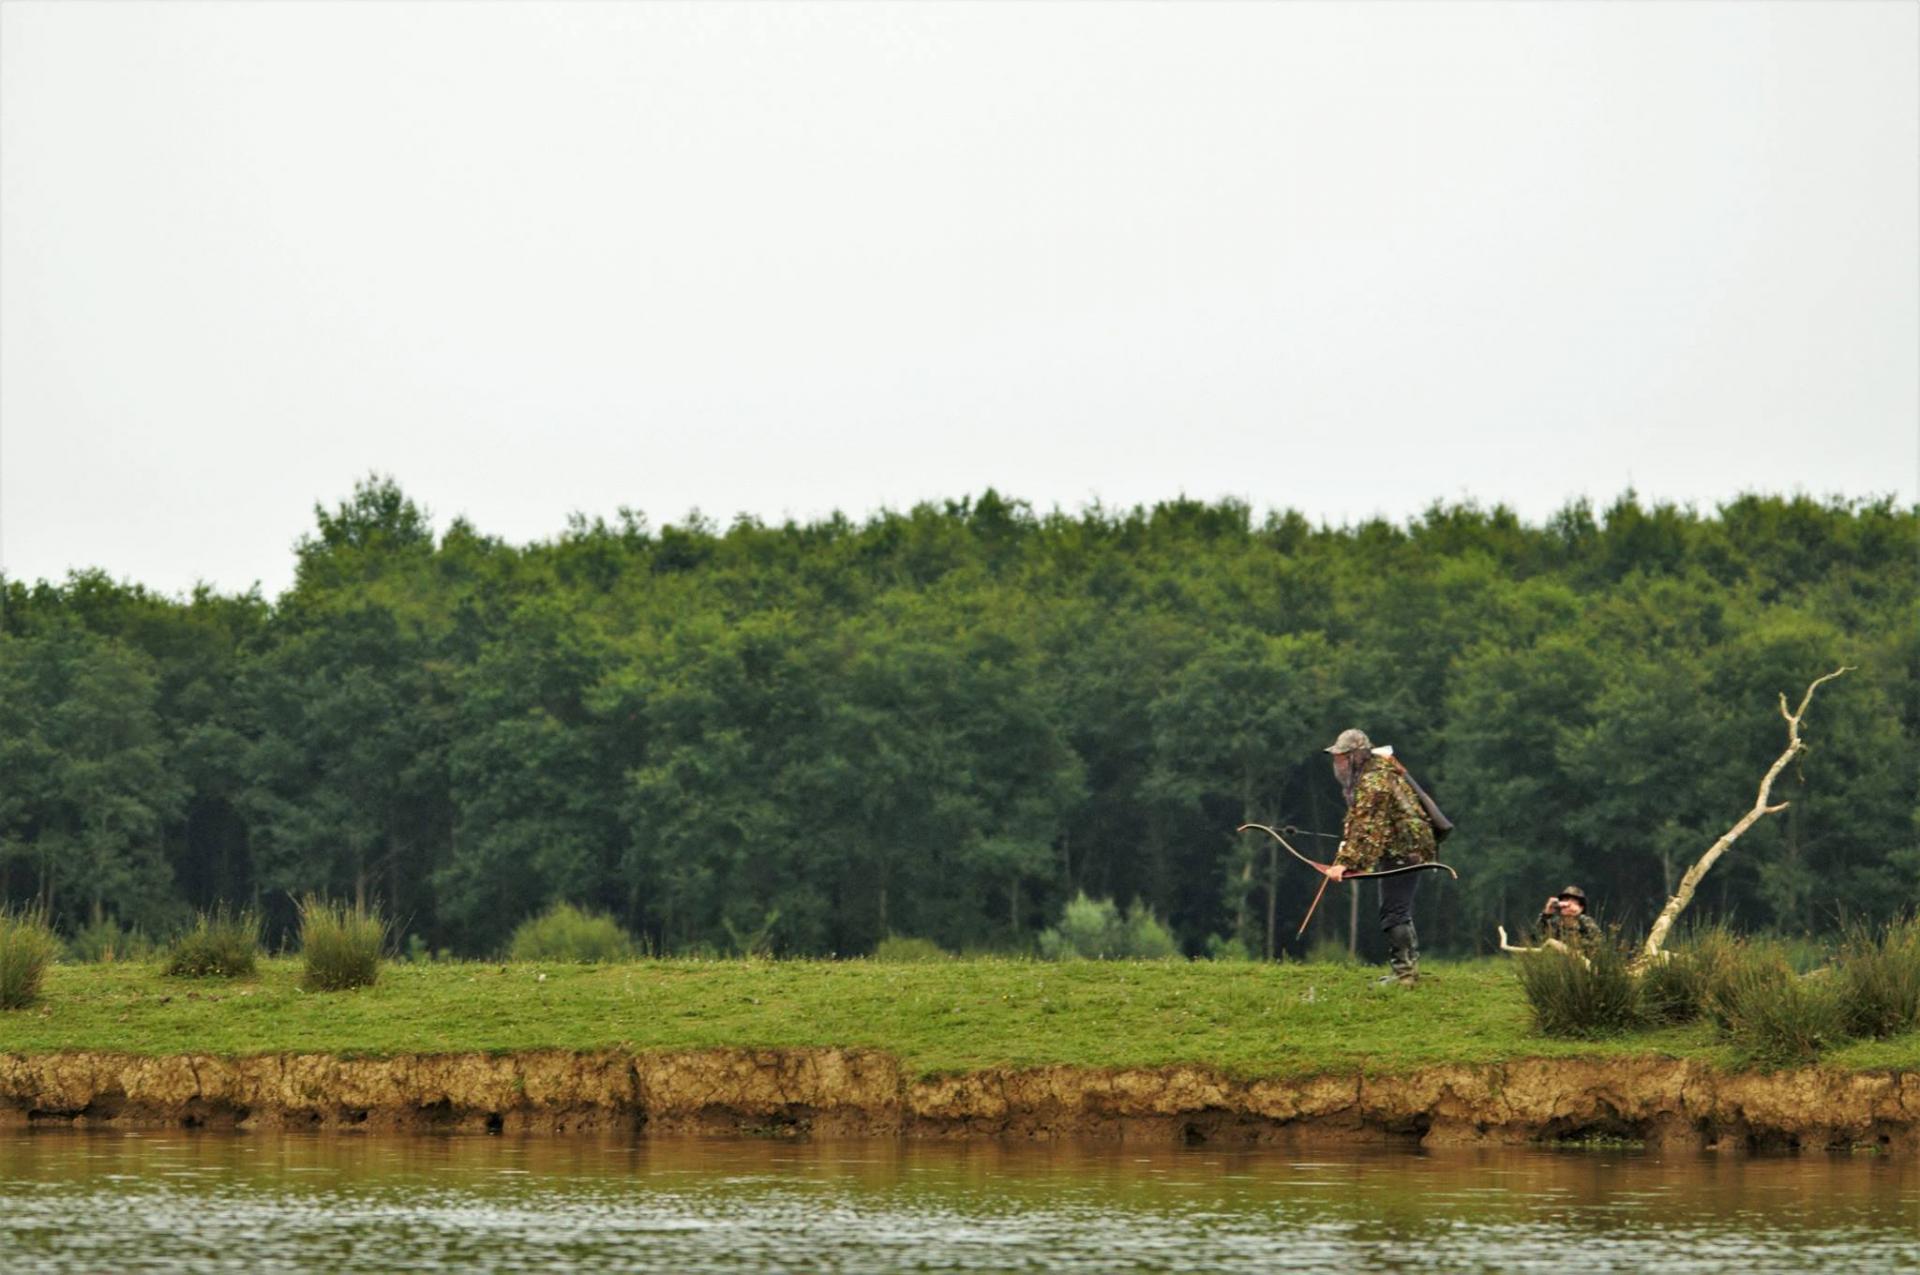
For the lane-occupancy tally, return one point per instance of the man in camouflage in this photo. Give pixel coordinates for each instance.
(1565, 918)
(1386, 827)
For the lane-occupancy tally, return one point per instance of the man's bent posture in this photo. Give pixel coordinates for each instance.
(1386, 827)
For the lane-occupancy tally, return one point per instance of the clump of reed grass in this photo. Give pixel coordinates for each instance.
(1772, 1015)
(27, 946)
(1878, 976)
(1677, 989)
(567, 933)
(105, 940)
(341, 943)
(221, 943)
(1582, 994)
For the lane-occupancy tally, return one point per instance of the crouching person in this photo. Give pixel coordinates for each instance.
(1565, 919)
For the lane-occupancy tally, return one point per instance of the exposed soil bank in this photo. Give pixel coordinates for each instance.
(834, 1092)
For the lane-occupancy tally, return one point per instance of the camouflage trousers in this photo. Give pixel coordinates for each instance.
(1396, 894)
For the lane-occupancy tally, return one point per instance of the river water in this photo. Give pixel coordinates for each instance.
(112, 1201)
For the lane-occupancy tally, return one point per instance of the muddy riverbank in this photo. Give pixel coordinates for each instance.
(834, 1092)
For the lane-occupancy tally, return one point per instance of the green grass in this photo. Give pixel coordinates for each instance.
(1248, 1019)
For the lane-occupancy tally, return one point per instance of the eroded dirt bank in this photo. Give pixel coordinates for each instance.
(834, 1092)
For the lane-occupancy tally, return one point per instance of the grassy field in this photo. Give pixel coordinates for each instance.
(1244, 1018)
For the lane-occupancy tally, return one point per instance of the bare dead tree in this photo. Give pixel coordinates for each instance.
(1691, 881)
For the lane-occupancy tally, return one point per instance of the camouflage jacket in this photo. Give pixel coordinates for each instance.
(1574, 931)
(1385, 822)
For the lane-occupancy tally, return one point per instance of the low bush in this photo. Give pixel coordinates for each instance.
(1146, 938)
(1581, 994)
(1095, 930)
(897, 949)
(570, 934)
(1879, 978)
(1220, 948)
(221, 944)
(1774, 1016)
(341, 943)
(1678, 988)
(27, 947)
(105, 941)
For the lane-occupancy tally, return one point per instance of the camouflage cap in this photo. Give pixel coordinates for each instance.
(1352, 740)
(1572, 892)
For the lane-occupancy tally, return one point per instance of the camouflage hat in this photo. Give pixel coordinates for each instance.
(1573, 892)
(1350, 741)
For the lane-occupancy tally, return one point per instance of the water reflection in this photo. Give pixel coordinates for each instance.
(134, 1202)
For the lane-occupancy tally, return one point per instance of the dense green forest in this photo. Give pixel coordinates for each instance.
(945, 722)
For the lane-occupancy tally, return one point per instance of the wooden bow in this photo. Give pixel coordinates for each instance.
(1324, 869)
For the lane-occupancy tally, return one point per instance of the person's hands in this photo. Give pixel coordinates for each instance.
(1336, 872)
(1551, 906)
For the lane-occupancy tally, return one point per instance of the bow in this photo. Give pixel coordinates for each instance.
(1324, 868)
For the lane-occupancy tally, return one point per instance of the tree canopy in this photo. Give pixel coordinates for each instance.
(949, 721)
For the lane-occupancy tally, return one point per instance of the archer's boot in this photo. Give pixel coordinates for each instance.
(1403, 956)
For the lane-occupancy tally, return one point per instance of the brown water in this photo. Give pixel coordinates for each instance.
(224, 1202)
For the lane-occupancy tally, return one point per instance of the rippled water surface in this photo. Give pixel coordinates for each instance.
(214, 1202)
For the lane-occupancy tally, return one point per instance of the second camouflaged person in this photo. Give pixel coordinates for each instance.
(1565, 918)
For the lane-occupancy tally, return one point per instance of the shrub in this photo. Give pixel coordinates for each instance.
(1678, 989)
(1774, 1016)
(221, 944)
(105, 941)
(1584, 994)
(1089, 928)
(1879, 978)
(27, 947)
(1145, 938)
(1094, 929)
(896, 949)
(341, 943)
(567, 933)
(1234, 949)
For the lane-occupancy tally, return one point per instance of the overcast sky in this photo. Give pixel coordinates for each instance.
(784, 259)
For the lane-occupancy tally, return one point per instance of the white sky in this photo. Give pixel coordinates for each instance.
(538, 258)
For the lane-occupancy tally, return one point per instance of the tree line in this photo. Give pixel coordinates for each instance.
(947, 722)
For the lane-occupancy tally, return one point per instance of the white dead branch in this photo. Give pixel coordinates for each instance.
(1555, 944)
(1691, 881)
(1508, 947)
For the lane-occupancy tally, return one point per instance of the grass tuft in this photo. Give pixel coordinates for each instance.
(1879, 979)
(221, 944)
(341, 944)
(1678, 989)
(27, 947)
(570, 934)
(1581, 995)
(896, 949)
(1773, 1016)
(106, 941)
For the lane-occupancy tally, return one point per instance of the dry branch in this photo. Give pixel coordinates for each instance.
(1691, 881)
(1555, 944)
(1505, 946)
